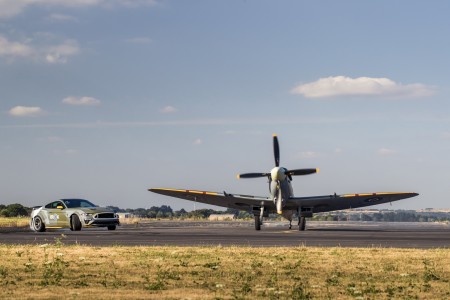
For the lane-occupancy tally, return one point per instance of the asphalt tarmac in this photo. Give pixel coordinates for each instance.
(274, 234)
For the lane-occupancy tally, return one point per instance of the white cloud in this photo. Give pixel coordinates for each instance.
(308, 155)
(71, 151)
(14, 49)
(132, 3)
(168, 109)
(11, 8)
(60, 53)
(66, 152)
(139, 40)
(42, 47)
(62, 18)
(26, 111)
(361, 86)
(198, 142)
(81, 101)
(188, 122)
(386, 151)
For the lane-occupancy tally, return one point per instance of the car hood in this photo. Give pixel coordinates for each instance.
(95, 210)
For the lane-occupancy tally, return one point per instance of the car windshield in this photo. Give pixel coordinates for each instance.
(72, 203)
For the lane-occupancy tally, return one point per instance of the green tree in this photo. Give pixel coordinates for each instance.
(14, 210)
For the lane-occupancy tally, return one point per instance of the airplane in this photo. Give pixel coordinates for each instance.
(282, 199)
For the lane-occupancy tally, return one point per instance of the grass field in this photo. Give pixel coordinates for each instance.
(14, 222)
(54, 271)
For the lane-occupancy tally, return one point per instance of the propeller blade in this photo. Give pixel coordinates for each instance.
(276, 150)
(300, 172)
(252, 175)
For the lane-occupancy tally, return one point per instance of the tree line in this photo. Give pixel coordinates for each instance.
(14, 210)
(165, 211)
(160, 212)
(385, 216)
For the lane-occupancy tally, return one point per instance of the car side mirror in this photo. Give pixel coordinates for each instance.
(60, 207)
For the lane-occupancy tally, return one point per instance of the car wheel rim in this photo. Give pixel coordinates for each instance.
(37, 223)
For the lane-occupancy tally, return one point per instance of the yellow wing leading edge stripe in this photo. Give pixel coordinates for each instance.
(373, 194)
(188, 191)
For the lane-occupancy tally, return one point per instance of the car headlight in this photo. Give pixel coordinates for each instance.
(87, 216)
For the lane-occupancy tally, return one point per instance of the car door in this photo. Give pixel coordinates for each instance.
(57, 214)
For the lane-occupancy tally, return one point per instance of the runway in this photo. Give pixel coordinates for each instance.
(274, 234)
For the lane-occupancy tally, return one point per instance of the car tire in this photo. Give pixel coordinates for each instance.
(75, 223)
(111, 227)
(38, 224)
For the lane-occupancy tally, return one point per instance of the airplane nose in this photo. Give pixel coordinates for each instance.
(278, 173)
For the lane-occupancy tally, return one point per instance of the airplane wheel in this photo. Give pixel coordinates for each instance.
(302, 224)
(257, 223)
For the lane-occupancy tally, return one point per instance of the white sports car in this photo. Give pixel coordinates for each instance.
(73, 214)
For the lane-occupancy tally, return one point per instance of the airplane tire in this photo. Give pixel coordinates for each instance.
(257, 223)
(302, 224)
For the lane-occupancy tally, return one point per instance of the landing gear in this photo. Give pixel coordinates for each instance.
(257, 222)
(301, 223)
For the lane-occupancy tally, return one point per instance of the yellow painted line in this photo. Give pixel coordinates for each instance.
(54, 227)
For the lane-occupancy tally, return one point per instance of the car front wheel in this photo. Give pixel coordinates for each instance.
(38, 224)
(75, 223)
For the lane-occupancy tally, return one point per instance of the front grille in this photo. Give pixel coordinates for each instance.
(105, 216)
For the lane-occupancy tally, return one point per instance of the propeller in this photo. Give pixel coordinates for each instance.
(299, 172)
(276, 150)
(252, 175)
(277, 169)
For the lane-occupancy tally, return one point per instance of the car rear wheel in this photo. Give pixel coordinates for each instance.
(75, 223)
(38, 224)
(111, 227)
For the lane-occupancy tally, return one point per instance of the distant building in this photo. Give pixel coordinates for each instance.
(216, 217)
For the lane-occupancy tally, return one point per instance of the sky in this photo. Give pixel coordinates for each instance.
(103, 99)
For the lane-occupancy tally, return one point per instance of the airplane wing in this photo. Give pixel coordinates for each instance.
(346, 201)
(316, 203)
(242, 202)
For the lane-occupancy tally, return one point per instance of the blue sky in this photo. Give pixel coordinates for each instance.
(103, 99)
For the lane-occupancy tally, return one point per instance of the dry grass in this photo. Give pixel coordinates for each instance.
(15, 222)
(56, 271)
